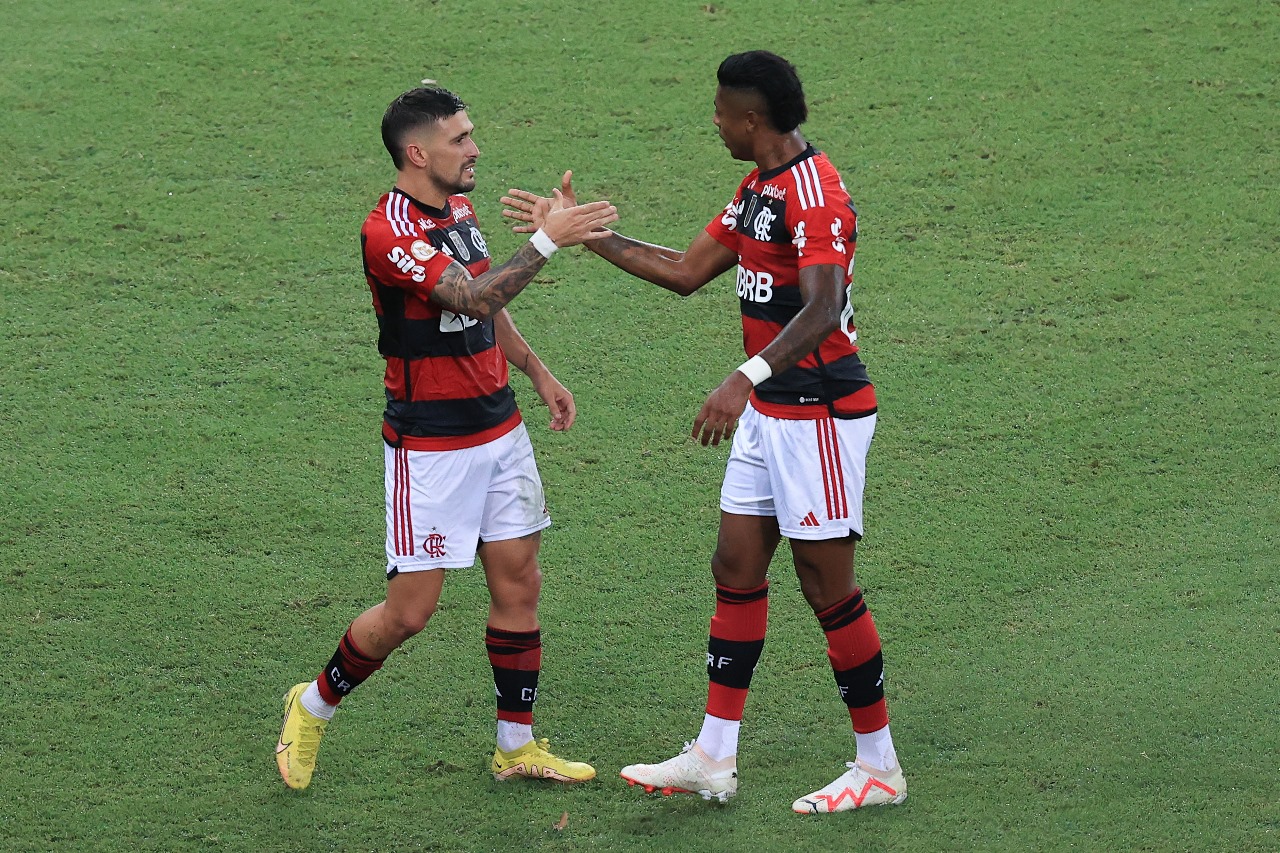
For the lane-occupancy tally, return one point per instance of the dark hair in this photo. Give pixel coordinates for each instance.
(773, 79)
(413, 109)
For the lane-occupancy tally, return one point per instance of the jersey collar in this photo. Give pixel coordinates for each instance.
(433, 212)
(809, 151)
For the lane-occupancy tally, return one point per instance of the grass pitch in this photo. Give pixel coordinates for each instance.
(1067, 295)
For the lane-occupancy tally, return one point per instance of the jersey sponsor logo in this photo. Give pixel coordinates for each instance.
(780, 193)
(422, 250)
(754, 286)
(451, 322)
(838, 243)
(406, 264)
(459, 211)
(732, 211)
(800, 239)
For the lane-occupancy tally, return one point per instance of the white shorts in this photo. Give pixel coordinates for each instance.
(442, 504)
(809, 474)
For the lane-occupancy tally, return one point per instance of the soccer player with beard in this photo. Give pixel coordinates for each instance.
(801, 413)
(460, 475)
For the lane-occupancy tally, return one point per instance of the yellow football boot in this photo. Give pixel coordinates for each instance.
(535, 761)
(299, 740)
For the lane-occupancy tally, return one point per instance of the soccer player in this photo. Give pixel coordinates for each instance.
(804, 412)
(460, 474)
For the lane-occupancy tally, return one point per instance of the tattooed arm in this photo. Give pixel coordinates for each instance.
(484, 296)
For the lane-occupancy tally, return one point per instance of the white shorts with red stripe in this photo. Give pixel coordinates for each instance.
(441, 504)
(809, 474)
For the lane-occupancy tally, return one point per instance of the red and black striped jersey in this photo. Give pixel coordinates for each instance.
(446, 376)
(780, 221)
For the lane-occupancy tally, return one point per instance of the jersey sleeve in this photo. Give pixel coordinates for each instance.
(405, 261)
(825, 230)
(724, 227)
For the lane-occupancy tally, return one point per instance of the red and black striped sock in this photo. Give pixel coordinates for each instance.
(345, 671)
(734, 648)
(516, 658)
(853, 646)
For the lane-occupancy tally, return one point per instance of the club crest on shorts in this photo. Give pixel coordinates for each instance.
(433, 545)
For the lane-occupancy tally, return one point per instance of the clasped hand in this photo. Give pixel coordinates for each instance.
(536, 211)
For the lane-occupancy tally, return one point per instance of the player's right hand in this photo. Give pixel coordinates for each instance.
(719, 415)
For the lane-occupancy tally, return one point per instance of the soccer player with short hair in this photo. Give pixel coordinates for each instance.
(460, 475)
(804, 412)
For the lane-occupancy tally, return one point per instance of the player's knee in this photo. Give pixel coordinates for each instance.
(403, 624)
(730, 574)
(520, 597)
(523, 584)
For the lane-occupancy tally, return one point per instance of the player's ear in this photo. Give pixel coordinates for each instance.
(414, 153)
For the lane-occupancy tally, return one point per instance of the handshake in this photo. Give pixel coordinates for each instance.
(560, 218)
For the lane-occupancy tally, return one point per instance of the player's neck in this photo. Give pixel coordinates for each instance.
(777, 149)
(422, 188)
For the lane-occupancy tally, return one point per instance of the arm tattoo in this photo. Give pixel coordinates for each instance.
(485, 296)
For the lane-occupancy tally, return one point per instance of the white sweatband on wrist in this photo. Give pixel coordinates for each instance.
(544, 244)
(756, 369)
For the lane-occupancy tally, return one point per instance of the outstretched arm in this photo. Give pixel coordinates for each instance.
(483, 297)
(680, 272)
(524, 359)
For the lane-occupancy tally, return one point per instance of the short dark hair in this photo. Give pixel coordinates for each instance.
(413, 109)
(773, 79)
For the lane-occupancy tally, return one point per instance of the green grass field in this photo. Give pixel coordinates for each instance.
(1068, 297)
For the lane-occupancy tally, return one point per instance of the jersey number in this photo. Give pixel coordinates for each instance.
(846, 316)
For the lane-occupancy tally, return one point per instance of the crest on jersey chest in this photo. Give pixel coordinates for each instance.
(764, 214)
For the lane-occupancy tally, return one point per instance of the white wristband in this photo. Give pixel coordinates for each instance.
(756, 369)
(544, 244)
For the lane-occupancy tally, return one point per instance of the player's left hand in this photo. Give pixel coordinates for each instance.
(532, 209)
(529, 208)
(719, 414)
(558, 399)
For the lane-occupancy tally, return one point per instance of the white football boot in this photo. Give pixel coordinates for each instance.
(690, 772)
(860, 786)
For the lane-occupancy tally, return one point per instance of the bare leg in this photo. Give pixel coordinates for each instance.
(411, 601)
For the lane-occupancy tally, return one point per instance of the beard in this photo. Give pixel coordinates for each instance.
(456, 184)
